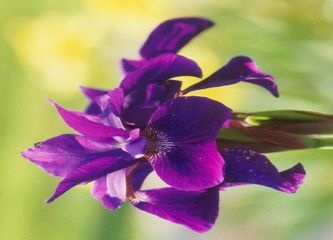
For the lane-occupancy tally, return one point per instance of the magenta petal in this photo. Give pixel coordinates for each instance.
(88, 125)
(244, 166)
(185, 155)
(159, 69)
(93, 170)
(172, 35)
(196, 210)
(292, 178)
(62, 154)
(237, 69)
(131, 65)
(92, 93)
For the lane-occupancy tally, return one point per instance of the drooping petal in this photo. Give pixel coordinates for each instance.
(182, 136)
(92, 94)
(93, 170)
(87, 125)
(62, 154)
(172, 35)
(196, 210)
(237, 69)
(244, 166)
(159, 69)
(140, 103)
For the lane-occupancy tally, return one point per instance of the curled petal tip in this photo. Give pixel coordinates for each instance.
(50, 101)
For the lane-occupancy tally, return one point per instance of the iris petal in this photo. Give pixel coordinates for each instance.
(111, 190)
(183, 150)
(196, 210)
(62, 154)
(92, 94)
(237, 69)
(99, 191)
(159, 69)
(93, 170)
(170, 36)
(88, 125)
(243, 166)
(141, 103)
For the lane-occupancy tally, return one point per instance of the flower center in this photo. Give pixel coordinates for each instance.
(158, 143)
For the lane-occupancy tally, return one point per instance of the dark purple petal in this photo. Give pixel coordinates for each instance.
(183, 142)
(237, 69)
(140, 175)
(159, 69)
(140, 103)
(172, 35)
(196, 210)
(93, 170)
(190, 119)
(92, 94)
(244, 166)
(88, 125)
(62, 154)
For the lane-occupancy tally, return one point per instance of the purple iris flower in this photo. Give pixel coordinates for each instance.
(149, 82)
(148, 125)
(177, 144)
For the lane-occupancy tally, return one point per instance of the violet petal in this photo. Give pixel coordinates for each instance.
(159, 69)
(92, 94)
(196, 210)
(62, 154)
(88, 125)
(141, 103)
(140, 175)
(183, 133)
(170, 36)
(111, 190)
(131, 65)
(110, 105)
(237, 69)
(93, 170)
(244, 166)
(99, 191)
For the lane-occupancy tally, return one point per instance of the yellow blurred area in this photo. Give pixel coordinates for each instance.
(58, 48)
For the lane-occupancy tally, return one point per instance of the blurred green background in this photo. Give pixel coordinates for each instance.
(48, 48)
